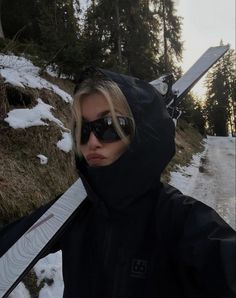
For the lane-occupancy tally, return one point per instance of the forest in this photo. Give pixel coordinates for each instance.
(141, 38)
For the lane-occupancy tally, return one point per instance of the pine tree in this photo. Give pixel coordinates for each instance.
(52, 28)
(59, 34)
(1, 30)
(198, 117)
(142, 44)
(124, 33)
(220, 83)
(193, 112)
(170, 36)
(18, 19)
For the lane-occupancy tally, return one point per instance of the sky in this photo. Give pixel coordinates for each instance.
(205, 24)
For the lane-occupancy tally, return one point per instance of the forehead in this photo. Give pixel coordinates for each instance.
(94, 106)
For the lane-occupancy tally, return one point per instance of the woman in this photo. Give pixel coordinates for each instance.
(134, 236)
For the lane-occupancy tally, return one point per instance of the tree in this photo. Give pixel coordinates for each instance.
(1, 30)
(50, 26)
(59, 34)
(141, 44)
(18, 19)
(126, 35)
(123, 35)
(220, 84)
(198, 117)
(171, 44)
(193, 112)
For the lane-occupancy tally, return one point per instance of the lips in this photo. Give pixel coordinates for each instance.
(93, 157)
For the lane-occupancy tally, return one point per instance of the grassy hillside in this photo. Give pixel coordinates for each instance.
(25, 183)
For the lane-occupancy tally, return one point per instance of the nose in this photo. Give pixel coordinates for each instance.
(93, 142)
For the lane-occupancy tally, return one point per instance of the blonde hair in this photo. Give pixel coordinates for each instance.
(117, 103)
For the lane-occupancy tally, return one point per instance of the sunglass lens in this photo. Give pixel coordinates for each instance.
(85, 132)
(104, 130)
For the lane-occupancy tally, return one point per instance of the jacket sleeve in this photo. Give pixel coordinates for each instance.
(207, 251)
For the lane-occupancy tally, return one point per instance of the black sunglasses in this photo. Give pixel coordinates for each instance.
(104, 129)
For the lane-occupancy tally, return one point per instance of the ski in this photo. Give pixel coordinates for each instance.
(26, 251)
(182, 86)
(199, 68)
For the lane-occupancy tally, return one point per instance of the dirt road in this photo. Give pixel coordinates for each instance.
(211, 177)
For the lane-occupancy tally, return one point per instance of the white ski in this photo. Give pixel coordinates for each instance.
(199, 68)
(22, 256)
(181, 87)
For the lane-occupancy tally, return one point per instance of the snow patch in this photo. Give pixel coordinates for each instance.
(49, 271)
(23, 118)
(43, 159)
(21, 72)
(65, 144)
(185, 177)
(51, 71)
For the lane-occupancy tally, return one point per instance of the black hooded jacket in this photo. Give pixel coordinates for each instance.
(135, 237)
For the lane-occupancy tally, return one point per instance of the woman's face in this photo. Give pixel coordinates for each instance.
(98, 153)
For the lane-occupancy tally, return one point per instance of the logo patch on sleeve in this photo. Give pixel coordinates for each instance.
(139, 268)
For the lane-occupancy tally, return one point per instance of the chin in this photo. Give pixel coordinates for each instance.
(100, 163)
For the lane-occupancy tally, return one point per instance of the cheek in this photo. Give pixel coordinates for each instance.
(83, 149)
(118, 149)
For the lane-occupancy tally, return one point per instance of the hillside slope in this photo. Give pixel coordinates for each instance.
(26, 181)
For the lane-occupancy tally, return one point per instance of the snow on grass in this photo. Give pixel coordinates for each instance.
(51, 71)
(36, 116)
(21, 72)
(185, 177)
(43, 159)
(23, 118)
(65, 144)
(49, 271)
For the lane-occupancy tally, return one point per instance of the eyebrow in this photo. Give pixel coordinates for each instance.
(104, 113)
(99, 115)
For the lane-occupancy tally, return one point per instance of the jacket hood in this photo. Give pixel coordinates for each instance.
(138, 170)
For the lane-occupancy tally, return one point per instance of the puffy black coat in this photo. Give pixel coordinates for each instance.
(135, 237)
